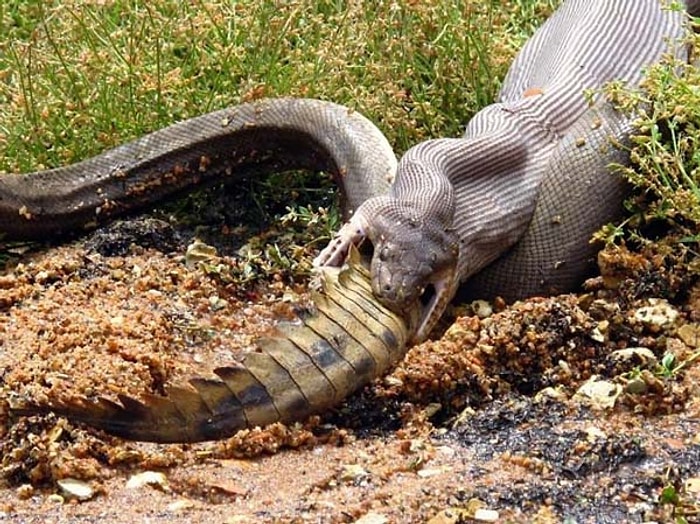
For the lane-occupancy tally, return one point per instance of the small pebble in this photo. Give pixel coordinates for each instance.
(482, 308)
(352, 472)
(181, 505)
(690, 335)
(76, 489)
(599, 394)
(372, 518)
(25, 491)
(147, 478)
(658, 313)
(637, 355)
(486, 515)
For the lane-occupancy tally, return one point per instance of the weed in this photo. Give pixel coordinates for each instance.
(664, 151)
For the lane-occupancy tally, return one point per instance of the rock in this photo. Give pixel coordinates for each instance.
(659, 314)
(486, 515)
(451, 516)
(198, 252)
(391, 381)
(432, 472)
(690, 335)
(692, 485)
(230, 488)
(636, 386)
(217, 303)
(598, 333)
(599, 394)
(76, 489)
(594, 433)
(25, 491)
(148, 478)
(482, 308)
(554, 393)
(181, 505)
(638, 356)
(55, 498)
(353, 473)
(601, 309)
(457, 515)
(372, 518)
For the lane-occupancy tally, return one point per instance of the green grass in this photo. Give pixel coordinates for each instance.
(664, 152)
(77, 78)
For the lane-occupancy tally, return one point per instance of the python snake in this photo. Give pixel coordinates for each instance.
(508, 209)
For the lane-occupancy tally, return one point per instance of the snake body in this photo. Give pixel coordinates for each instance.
(264, 136)
(507, 209)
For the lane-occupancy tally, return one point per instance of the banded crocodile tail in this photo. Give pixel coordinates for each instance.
(347, 340)
(260, 137)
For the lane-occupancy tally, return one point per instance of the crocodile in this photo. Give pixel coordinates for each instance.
(346, 340)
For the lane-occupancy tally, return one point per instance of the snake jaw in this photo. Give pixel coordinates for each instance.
(403, 291)
(416, 271)
(444, 285)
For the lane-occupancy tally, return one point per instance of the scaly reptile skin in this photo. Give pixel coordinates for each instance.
(348, 340)
(508, 209)
(264, 136)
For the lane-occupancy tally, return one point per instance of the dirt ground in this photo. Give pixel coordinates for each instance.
(556, 409)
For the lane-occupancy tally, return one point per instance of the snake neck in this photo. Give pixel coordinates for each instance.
(456, 205)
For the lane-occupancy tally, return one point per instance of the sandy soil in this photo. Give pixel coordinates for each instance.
(492, 417)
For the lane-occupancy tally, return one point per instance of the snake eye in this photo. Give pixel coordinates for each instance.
(384, 254)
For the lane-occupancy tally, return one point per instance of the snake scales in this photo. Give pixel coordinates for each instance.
(507, 209)
(517, 199)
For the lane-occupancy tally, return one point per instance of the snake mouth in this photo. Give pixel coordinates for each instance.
(428, 295)
(433, 300)
(427, 301)
(426, 304)
(423, 303)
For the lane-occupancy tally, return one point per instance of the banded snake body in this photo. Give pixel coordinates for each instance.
(508, 209)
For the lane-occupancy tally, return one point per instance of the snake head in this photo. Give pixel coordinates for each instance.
(414, 259)
(414, 264)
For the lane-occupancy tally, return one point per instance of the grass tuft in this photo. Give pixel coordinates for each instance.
(664, 152)
(79, 77)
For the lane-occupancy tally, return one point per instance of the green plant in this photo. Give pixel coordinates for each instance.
(664, 153)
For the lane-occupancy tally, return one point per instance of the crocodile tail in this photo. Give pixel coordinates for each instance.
(346, 340)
